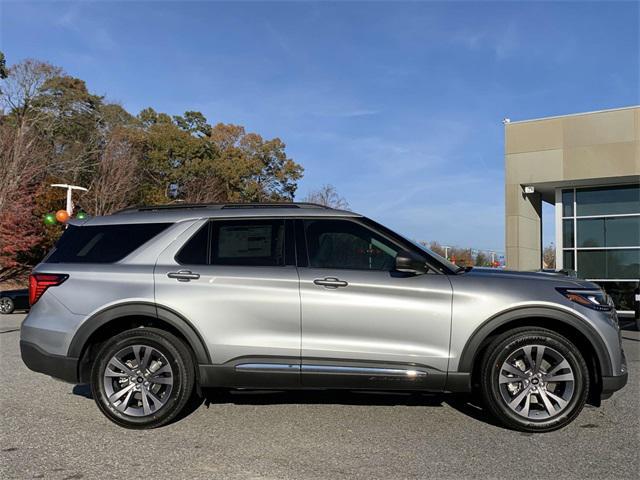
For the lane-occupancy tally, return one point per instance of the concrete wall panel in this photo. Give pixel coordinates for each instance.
(597, 128)
(529, 235)
(512, 231)
(606, 160)
(534, 136)
(532, 167)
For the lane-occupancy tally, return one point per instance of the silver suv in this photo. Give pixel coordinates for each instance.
(151, 305)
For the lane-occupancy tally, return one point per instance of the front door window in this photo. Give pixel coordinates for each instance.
(342, 244)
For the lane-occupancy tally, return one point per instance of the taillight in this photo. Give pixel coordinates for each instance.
(39, 282)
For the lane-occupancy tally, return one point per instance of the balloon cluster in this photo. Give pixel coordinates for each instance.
(61, 216)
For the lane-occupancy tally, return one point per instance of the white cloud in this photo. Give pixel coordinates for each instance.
(504, 43)
(85, 27)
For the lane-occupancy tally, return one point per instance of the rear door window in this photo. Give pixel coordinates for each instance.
(102, 243)
(248, 243)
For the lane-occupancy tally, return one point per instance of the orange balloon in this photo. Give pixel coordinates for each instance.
(62, 216)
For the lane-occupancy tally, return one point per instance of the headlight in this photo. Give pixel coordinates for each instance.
(593, 299)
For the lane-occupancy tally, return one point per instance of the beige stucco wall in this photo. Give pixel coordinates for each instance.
(562, 151)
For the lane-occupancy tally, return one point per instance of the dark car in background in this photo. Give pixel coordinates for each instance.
(11, 300)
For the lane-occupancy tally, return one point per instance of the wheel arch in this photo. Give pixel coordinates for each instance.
(579, 332)
(121, 317)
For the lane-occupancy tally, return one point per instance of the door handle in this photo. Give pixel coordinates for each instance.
(330, 282)
(183, 275)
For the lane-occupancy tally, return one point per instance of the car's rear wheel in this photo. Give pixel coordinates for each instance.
(143, 378)
(6, 305)
(534, 379)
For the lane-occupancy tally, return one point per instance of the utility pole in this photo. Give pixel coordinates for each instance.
(636, 305)
(446, 252)
(70, 189)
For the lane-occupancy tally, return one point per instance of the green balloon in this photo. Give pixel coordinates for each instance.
(49, 219)
(81, 216)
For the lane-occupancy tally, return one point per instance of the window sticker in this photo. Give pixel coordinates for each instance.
(244, 241)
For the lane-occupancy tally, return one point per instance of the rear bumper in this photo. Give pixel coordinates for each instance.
(57, 366)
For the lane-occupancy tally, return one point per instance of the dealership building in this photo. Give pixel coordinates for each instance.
(588, 166)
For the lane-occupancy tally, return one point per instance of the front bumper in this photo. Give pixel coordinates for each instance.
(613, 384)
(58, 366)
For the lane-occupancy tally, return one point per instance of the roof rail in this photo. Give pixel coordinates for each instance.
(220, 206)
(274, 205)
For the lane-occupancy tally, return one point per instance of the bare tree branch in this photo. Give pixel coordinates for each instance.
(327, 196)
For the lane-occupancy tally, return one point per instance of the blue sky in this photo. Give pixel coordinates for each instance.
(399, 105)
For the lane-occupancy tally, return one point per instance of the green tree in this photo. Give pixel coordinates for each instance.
(113, 116)
(73, 127)
(252, 169)
(168, 154)
(481, 260)
(186, 160)
(194, 123)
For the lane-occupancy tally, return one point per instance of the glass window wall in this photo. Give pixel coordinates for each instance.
(601, 237)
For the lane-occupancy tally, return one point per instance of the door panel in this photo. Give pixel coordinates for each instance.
(363, 322)
(240, 311)
(378, 317)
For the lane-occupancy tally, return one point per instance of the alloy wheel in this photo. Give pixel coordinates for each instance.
(138, 380)
(536, 382)
(6, 305)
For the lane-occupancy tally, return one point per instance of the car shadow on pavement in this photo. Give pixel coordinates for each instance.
(461, 403)
(464, 404)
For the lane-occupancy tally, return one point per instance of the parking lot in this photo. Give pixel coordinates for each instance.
(54, 430)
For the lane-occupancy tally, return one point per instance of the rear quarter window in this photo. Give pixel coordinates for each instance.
(102, 243)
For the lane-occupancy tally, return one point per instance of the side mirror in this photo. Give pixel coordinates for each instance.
(408, 262)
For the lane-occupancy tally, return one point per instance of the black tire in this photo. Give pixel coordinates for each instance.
(182, 375)
(506, 347)
(6, 306)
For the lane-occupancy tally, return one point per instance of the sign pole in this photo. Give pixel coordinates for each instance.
(70, 189)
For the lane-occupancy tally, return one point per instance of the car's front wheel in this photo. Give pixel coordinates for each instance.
(143, 378)
(534, 379)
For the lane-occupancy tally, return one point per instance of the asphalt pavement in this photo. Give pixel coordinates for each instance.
(53, 430)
